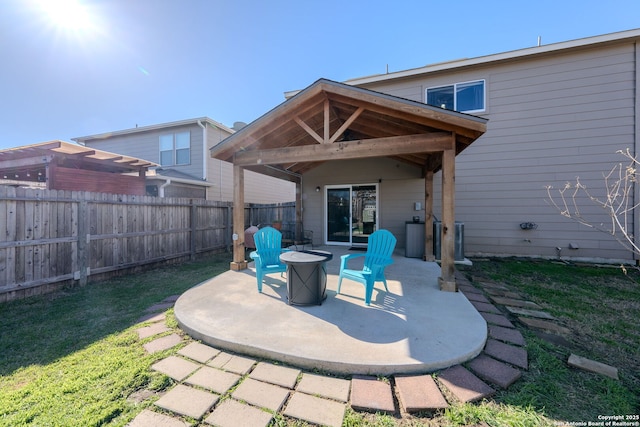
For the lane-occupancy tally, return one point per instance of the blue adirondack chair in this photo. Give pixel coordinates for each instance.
(376, 259)
(268, 243)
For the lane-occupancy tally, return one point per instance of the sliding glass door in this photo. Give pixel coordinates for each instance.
(351, 213)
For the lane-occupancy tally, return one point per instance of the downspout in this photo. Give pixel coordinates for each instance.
(163, 186)
(204, 149)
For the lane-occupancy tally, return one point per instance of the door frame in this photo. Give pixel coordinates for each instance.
(325, 209)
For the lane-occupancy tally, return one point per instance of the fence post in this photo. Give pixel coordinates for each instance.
(193, 212)
(83, 242)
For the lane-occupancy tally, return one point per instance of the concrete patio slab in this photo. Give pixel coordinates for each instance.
(175, 367)
(315, 410)
(232, 413)
(151, 330)
(342, 335)
(332, 388)
(149, 418)
(198, 352)
(163, 343)
(232, 363)
(187, 401)
(213, 379)
(275, 374)
(261, 394)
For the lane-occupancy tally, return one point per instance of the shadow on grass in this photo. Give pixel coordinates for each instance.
(39, 330)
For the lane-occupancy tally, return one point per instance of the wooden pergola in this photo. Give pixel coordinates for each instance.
(333, 121)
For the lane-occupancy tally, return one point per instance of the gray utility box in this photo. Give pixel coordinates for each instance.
(306, 276)
(414, 246)
(458, 244)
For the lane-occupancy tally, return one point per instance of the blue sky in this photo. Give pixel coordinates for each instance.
(143, 62)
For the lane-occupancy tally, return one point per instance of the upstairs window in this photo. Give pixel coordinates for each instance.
(466, 97)
(175, 149)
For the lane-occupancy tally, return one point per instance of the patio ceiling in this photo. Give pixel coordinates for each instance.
(334, 121)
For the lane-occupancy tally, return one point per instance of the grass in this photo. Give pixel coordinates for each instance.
(74, 358)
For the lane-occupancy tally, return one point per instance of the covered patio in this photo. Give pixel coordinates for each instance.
(331, 123)
(413, 328)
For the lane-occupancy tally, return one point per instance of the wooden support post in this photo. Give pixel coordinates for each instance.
(428, 217)
(298, 225)
(447, 279)
(238, 263)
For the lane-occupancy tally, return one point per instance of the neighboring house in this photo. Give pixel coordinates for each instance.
(181, 149)
(59, 165)
(555, 112)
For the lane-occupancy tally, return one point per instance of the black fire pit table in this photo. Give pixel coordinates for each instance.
(306, 276)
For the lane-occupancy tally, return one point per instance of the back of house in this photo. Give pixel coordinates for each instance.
(556, 112)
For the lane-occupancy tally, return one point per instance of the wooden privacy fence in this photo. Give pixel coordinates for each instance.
(53, 236)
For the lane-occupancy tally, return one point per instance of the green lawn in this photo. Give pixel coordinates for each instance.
(73, 358)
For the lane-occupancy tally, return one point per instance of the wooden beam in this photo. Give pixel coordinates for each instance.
(238, 263)
(346, 124)
(327, 121)
(428, 217)
(308, 129)
(447, 279)
(380, 147)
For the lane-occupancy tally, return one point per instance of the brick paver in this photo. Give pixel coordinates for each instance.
(187, 401)
(545, 325)
(494, 371)
(506, 334)
(419, 393)
(497, 319)
(515, 303)
(332, 388)
(476, 297)
(516, 356)
(530, 313)
(464, 385)
(261, 394)
(371, 394)
(175, 367)
(483, 307)
(315, 410)
(275, 374)
(231, 413)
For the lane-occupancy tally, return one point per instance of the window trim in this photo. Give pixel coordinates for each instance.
(174, 149)
(455, 91)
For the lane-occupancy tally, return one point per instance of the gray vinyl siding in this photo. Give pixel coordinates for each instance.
(399, 186)
(551, 119)
(146, 145)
